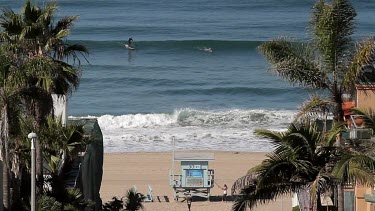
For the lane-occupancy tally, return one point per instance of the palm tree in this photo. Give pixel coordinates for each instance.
(295, 164)
(74, 201)
(134, 200)
(114, 205)
(47, 203)
(331, 62)
(40, 49)
(62, 145)
(8, 98)
(304, 158)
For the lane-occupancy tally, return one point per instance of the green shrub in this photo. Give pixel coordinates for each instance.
(114, 205)
(47, 203)
(296, 208)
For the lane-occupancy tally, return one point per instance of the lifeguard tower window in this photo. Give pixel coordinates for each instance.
(194, 173)
(194, 178)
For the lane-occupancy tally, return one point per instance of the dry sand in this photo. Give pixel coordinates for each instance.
(124, 170)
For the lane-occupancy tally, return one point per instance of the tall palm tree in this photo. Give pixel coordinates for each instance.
(304, 158)
(8, 99)
(10, 111)
(42, 52)
(331, 62)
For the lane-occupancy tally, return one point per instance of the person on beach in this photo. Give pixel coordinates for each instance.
(130, 41)
(225, 189)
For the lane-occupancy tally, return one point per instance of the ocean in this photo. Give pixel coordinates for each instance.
(170, 87)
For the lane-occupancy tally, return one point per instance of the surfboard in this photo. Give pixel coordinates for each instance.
(206, 49)
(129, 47)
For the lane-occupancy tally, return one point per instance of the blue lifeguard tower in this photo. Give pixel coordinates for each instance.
(194, 177)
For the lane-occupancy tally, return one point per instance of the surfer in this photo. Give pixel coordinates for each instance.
(130, 41)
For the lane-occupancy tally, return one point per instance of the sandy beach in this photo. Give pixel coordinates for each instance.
(125, 170)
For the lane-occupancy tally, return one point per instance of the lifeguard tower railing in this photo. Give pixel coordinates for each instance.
(194, 177)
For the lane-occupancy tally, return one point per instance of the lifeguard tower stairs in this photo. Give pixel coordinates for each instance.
(194, 177)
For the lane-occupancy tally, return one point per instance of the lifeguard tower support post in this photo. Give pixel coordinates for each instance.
(194, 177)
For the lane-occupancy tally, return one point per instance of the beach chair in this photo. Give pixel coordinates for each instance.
(149, 195)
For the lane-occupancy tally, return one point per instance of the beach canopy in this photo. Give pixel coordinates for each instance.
(194, 157)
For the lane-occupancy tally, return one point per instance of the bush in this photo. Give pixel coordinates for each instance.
(296, 208)
(133, 201)
(47, 203)
(114, 205)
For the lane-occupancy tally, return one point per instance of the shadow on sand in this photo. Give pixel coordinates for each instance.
(212, 198)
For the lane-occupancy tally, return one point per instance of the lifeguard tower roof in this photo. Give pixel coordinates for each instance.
(194, 157)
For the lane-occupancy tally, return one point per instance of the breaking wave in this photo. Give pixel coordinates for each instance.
(229, 130)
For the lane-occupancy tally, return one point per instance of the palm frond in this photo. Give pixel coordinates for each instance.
(361, 68)
(313, 108)
(367, 115)
(251, 196)
(76, 48)
(75, 200)
(274, 136)
(64, 24)
(31, 13)
(47, 203)
(353, 167)
(331, 135)
(245, 200)
(294, 62)
(332, 25)
(47, 13)
(323, 183)
(286, 166)
(11, 22)
(304, 137)
(243, 182)
(134, 200)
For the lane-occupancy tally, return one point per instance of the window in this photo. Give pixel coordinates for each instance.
(196, 173)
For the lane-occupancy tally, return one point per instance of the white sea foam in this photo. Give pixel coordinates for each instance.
(230, 130)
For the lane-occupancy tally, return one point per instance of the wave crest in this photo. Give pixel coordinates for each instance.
(231, 130)
(107, 122)
(193, 117)
(175, 44)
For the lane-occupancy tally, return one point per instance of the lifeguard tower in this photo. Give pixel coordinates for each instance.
(194, 177)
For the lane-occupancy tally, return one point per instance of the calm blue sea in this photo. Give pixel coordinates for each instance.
(170, 86)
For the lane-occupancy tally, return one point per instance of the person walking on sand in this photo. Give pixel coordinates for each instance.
(225, 189)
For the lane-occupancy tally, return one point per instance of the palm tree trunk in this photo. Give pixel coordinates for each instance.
(42, 107)
(338, 114)
(4, 128)
(39, 163)
(15, 179)
(16, 193)
(318, 202)
(6, 187)
(38, 122)
(339, 117)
